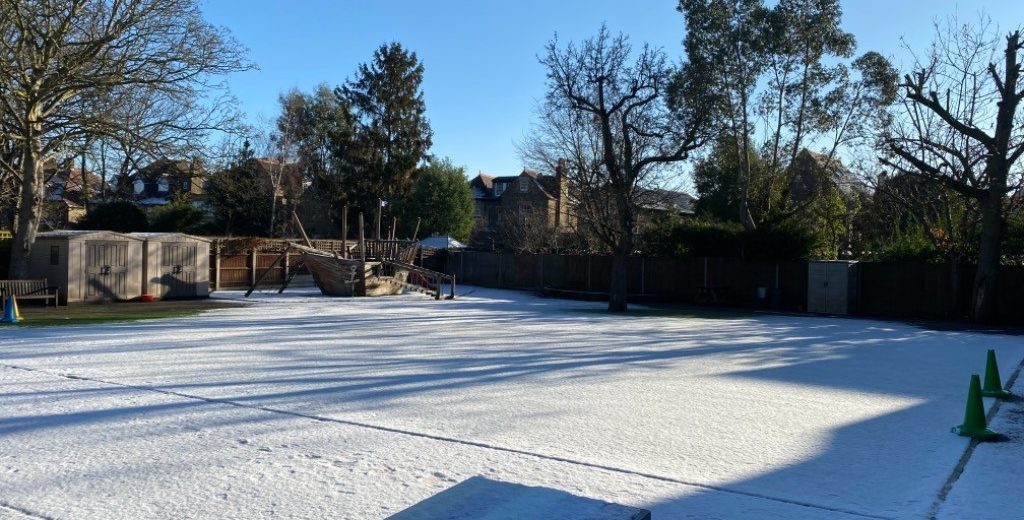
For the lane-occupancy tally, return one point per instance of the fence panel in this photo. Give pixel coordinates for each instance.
(902, 290)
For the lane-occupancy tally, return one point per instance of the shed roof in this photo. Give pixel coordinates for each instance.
(163, 235)
(68, 234)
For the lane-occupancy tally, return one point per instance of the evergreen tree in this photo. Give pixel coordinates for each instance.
(391, 132)
(443, 201)
(239, 197)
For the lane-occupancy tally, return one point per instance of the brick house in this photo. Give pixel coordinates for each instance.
(529, 193)
(165, 180)
(68, 193)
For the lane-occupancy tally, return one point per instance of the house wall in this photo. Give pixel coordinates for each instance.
(513, 198)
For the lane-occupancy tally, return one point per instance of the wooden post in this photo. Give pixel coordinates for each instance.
(252, 269)
(302, 229)
(394, 224)
(282, 256)
(362, 239)
(344, 232)
(452, 295)
(287, 262)
(216, 267)
(643, 275)
(540, 282)
(588, 272)
(380, 204)
(416, 232)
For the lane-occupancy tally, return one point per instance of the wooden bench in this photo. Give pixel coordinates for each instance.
(30, 290)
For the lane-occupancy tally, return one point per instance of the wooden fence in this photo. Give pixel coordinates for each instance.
(900, 290)
(718, 280)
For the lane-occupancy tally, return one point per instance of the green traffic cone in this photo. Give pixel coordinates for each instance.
(993, 385)
(974, 425)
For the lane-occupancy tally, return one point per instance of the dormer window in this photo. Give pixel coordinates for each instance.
(163, 186)
(524, 185)
(139, 186)
(499, 188)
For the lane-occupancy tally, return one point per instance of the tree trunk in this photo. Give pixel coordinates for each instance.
(28, 214)
(983, 304)
(620, 262)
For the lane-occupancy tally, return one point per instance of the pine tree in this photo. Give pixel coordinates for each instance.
(392, 134)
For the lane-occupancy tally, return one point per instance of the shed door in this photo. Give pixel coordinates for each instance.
(817, 287)
(836, 292)
(106, 270)
(178, 269)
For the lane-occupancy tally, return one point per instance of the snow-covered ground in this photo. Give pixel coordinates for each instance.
(300, 406)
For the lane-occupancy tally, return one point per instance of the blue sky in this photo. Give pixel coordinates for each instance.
(482, 80)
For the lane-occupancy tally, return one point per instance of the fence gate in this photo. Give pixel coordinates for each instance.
(106, 270)
(178, 269)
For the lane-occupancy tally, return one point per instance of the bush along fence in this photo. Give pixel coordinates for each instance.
(901, 290)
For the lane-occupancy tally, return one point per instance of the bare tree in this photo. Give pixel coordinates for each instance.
(960, 126)
(607, 113)
(138, 72)
(525, 231)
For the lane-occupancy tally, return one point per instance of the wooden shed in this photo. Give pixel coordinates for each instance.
(175, 265)
(89, 265)
(833, 286)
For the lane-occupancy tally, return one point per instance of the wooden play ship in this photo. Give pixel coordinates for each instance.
(365, 268)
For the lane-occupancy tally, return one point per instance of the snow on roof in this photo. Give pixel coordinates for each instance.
(155, 235)
(441, 242)
(77, 233)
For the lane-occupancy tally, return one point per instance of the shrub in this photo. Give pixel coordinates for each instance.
(115, 216)
(676, 237)
(181, 218)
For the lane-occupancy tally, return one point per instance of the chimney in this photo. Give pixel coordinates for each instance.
(562, 195)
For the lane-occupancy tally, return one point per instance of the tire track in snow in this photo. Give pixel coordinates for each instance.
(453, 440)
(4, 505)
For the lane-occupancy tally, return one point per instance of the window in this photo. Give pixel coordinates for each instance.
(139, 186)
(524, 185)
(525, 207)
(54, 255)
(499, 188)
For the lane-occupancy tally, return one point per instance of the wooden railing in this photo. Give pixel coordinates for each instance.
(430, 277)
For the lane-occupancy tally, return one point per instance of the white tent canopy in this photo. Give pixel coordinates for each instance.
(441, 242)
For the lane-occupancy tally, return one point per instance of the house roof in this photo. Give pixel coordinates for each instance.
(483, 183)
(813, 168)
(665, 200)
